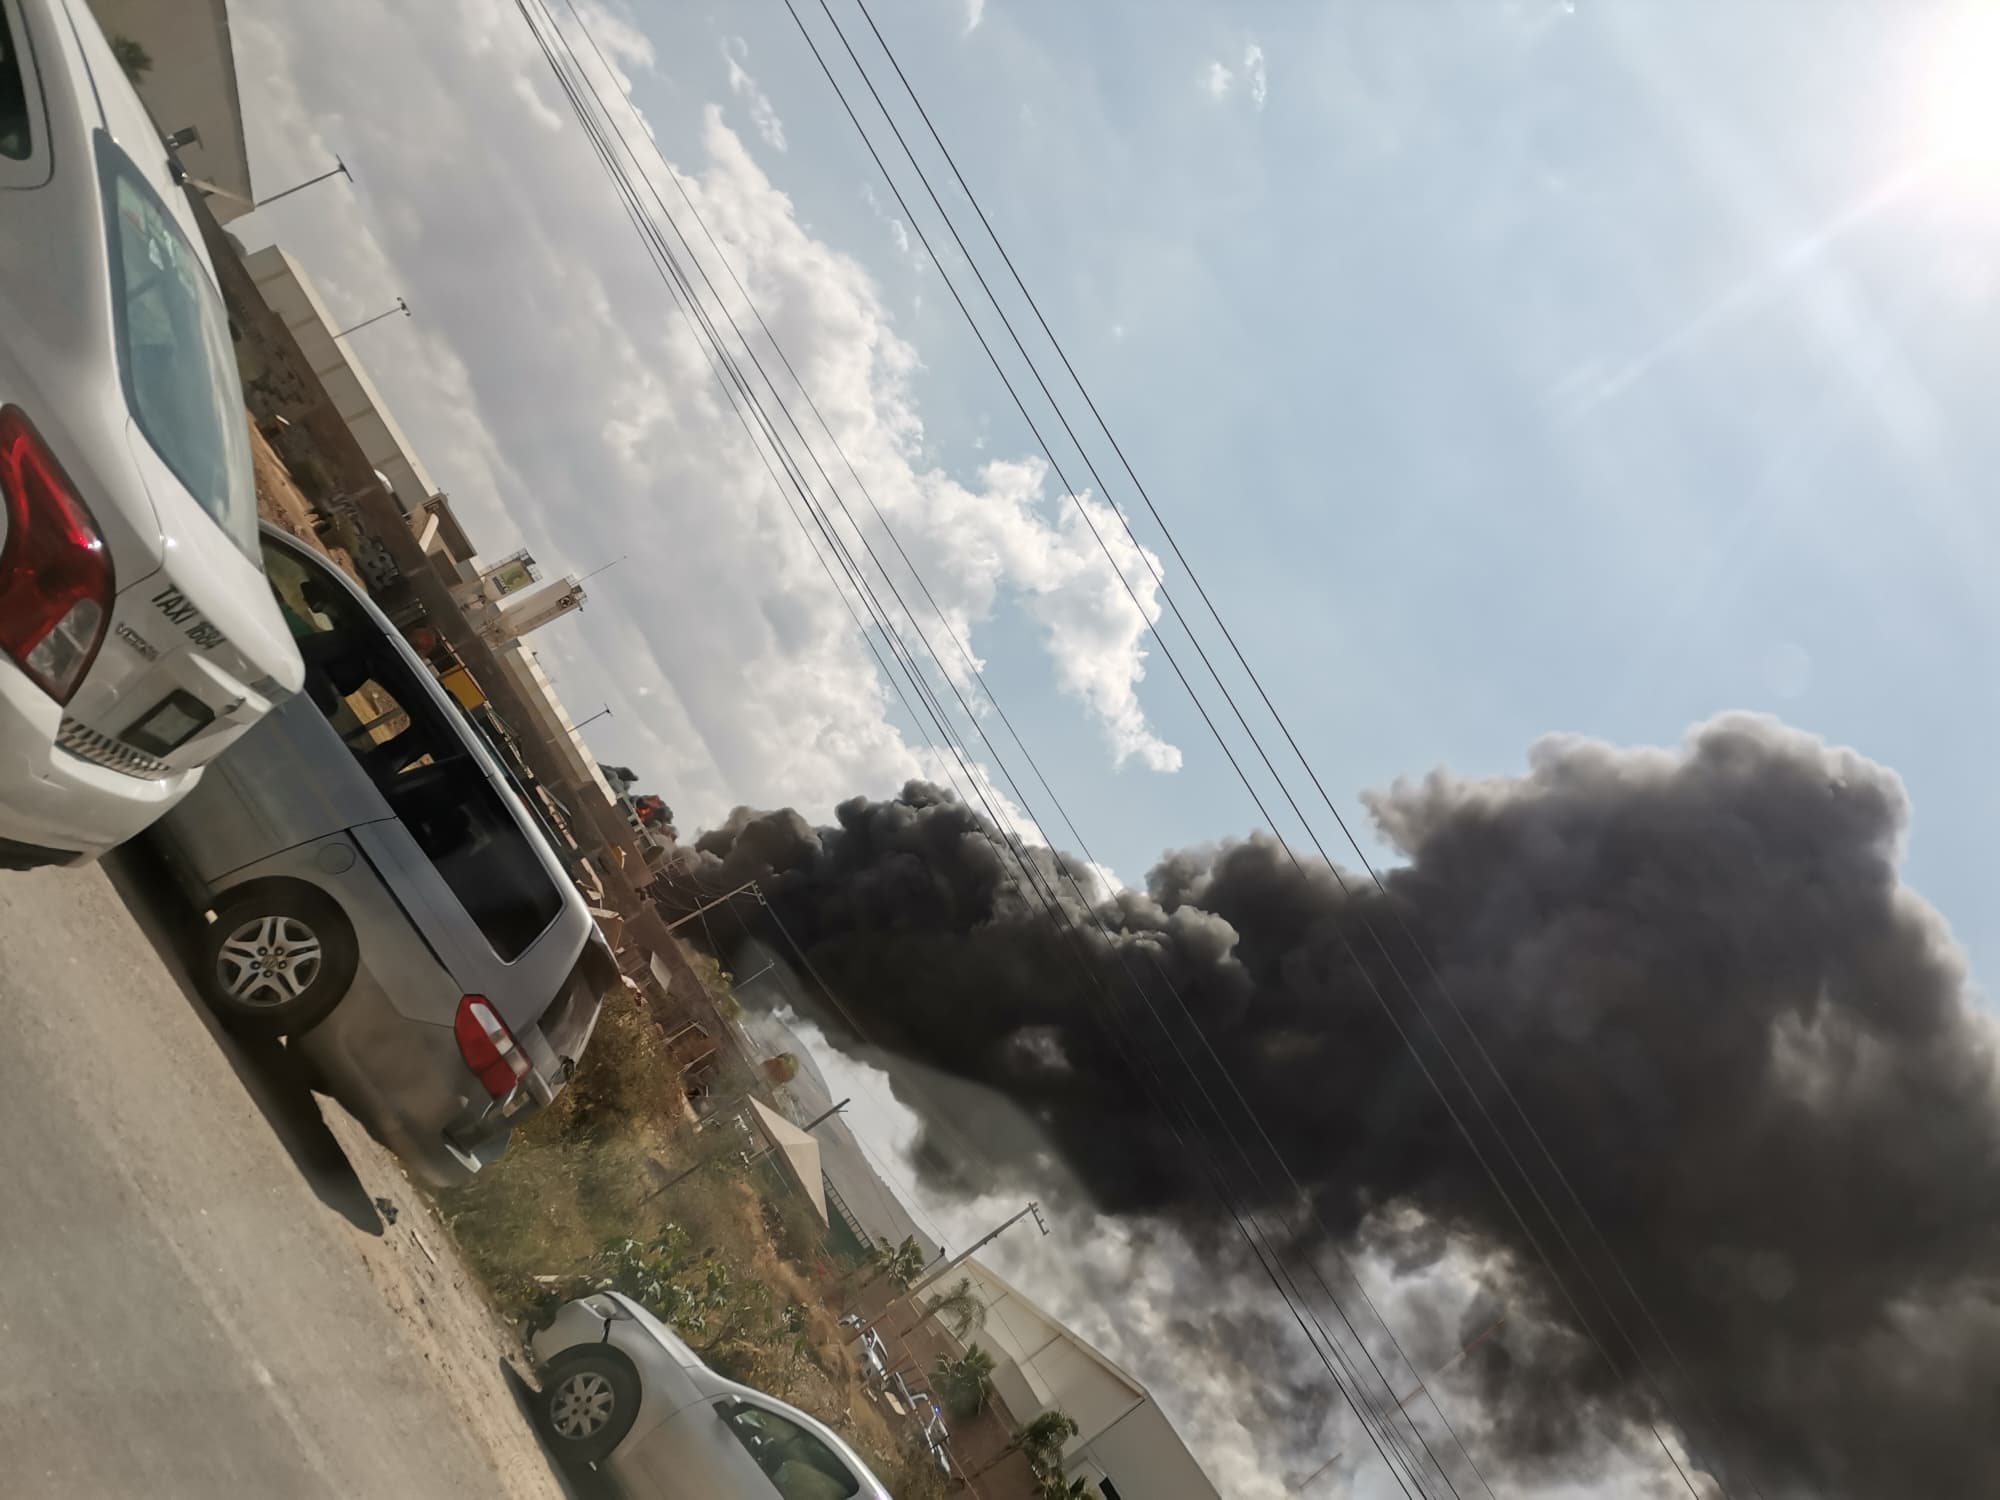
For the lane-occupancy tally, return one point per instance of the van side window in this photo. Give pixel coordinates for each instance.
(799, 1464)
(418, 760)
(16, 127)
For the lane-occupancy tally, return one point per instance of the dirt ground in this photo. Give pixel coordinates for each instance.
(480, 1365)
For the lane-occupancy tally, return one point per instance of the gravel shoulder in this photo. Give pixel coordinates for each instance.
(198, 1295)
(480, 1365)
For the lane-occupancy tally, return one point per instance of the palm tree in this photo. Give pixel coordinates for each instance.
(964, 1382)
(1042, 1440)
(1055, 1487)
(902, 1265)
(959, 1307)
(905, 1263)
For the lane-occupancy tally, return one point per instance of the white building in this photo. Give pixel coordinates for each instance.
(1125, 1448)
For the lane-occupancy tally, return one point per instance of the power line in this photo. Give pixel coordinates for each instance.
(1583, 1322)
(772, 437)
(1263, 695)
(972, 1150)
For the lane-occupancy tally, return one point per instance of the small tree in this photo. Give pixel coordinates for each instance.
(782, 1068)
(964, 1382)
(958, 1308)
(905, 1263)
(1041, 1440)
(1055, 1487)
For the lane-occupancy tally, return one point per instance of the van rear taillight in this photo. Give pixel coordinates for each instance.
(55, 575)
(488, 1047)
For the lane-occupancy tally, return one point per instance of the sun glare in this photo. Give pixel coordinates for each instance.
(1961, 100)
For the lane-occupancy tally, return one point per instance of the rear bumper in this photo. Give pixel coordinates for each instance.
(406, 1081)
(66, 809)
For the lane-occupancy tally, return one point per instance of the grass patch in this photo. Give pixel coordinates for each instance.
(615, 1183)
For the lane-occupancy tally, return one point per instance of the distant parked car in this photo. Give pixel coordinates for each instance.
(621, 1390)
(874, 1356)
(380, 894)
(137, 638)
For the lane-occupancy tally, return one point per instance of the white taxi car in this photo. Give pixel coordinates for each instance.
(138, 637)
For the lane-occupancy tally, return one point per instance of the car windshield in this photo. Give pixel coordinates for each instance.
(175, 357)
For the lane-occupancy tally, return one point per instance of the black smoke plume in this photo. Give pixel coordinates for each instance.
(1753, 1052)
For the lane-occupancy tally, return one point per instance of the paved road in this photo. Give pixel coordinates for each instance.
(183, 1311)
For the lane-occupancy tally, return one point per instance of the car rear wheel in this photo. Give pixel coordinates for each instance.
(276, 960)
(589, 1401)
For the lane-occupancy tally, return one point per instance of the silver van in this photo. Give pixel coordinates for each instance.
(379, 893)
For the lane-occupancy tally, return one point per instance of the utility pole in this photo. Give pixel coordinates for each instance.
(980, 1244)
(673, 1181)
(400, 307)
(339, 169)
(959, 1259)
(825, 1115)
(602, 713)
(748, 885)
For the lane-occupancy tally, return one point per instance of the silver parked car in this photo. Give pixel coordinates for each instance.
(380, 893)
(620, 1389)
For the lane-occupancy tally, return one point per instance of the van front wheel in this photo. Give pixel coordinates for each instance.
(276, 959)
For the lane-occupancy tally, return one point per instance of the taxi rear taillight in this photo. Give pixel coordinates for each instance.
(488, 1047)
(55, 574)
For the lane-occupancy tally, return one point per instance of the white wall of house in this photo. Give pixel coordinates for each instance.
(1121, 1434)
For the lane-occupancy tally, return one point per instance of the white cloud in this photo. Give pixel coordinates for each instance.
(553, 390)
(1253, 70)
(763, 115)
(899, 232)
(625, 46)
(975, 12)
(1219, 80)
(539, 109)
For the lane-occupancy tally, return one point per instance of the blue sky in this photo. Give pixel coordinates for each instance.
(1506, 368)
(1512, 368)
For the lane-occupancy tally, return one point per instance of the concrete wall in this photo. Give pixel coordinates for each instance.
(192, 83)
(1144, 1457)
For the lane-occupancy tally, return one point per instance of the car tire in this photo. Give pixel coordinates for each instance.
(588, 1403)
(276, 960)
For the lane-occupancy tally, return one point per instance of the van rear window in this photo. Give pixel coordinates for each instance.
(415, 752)
(17, 137)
